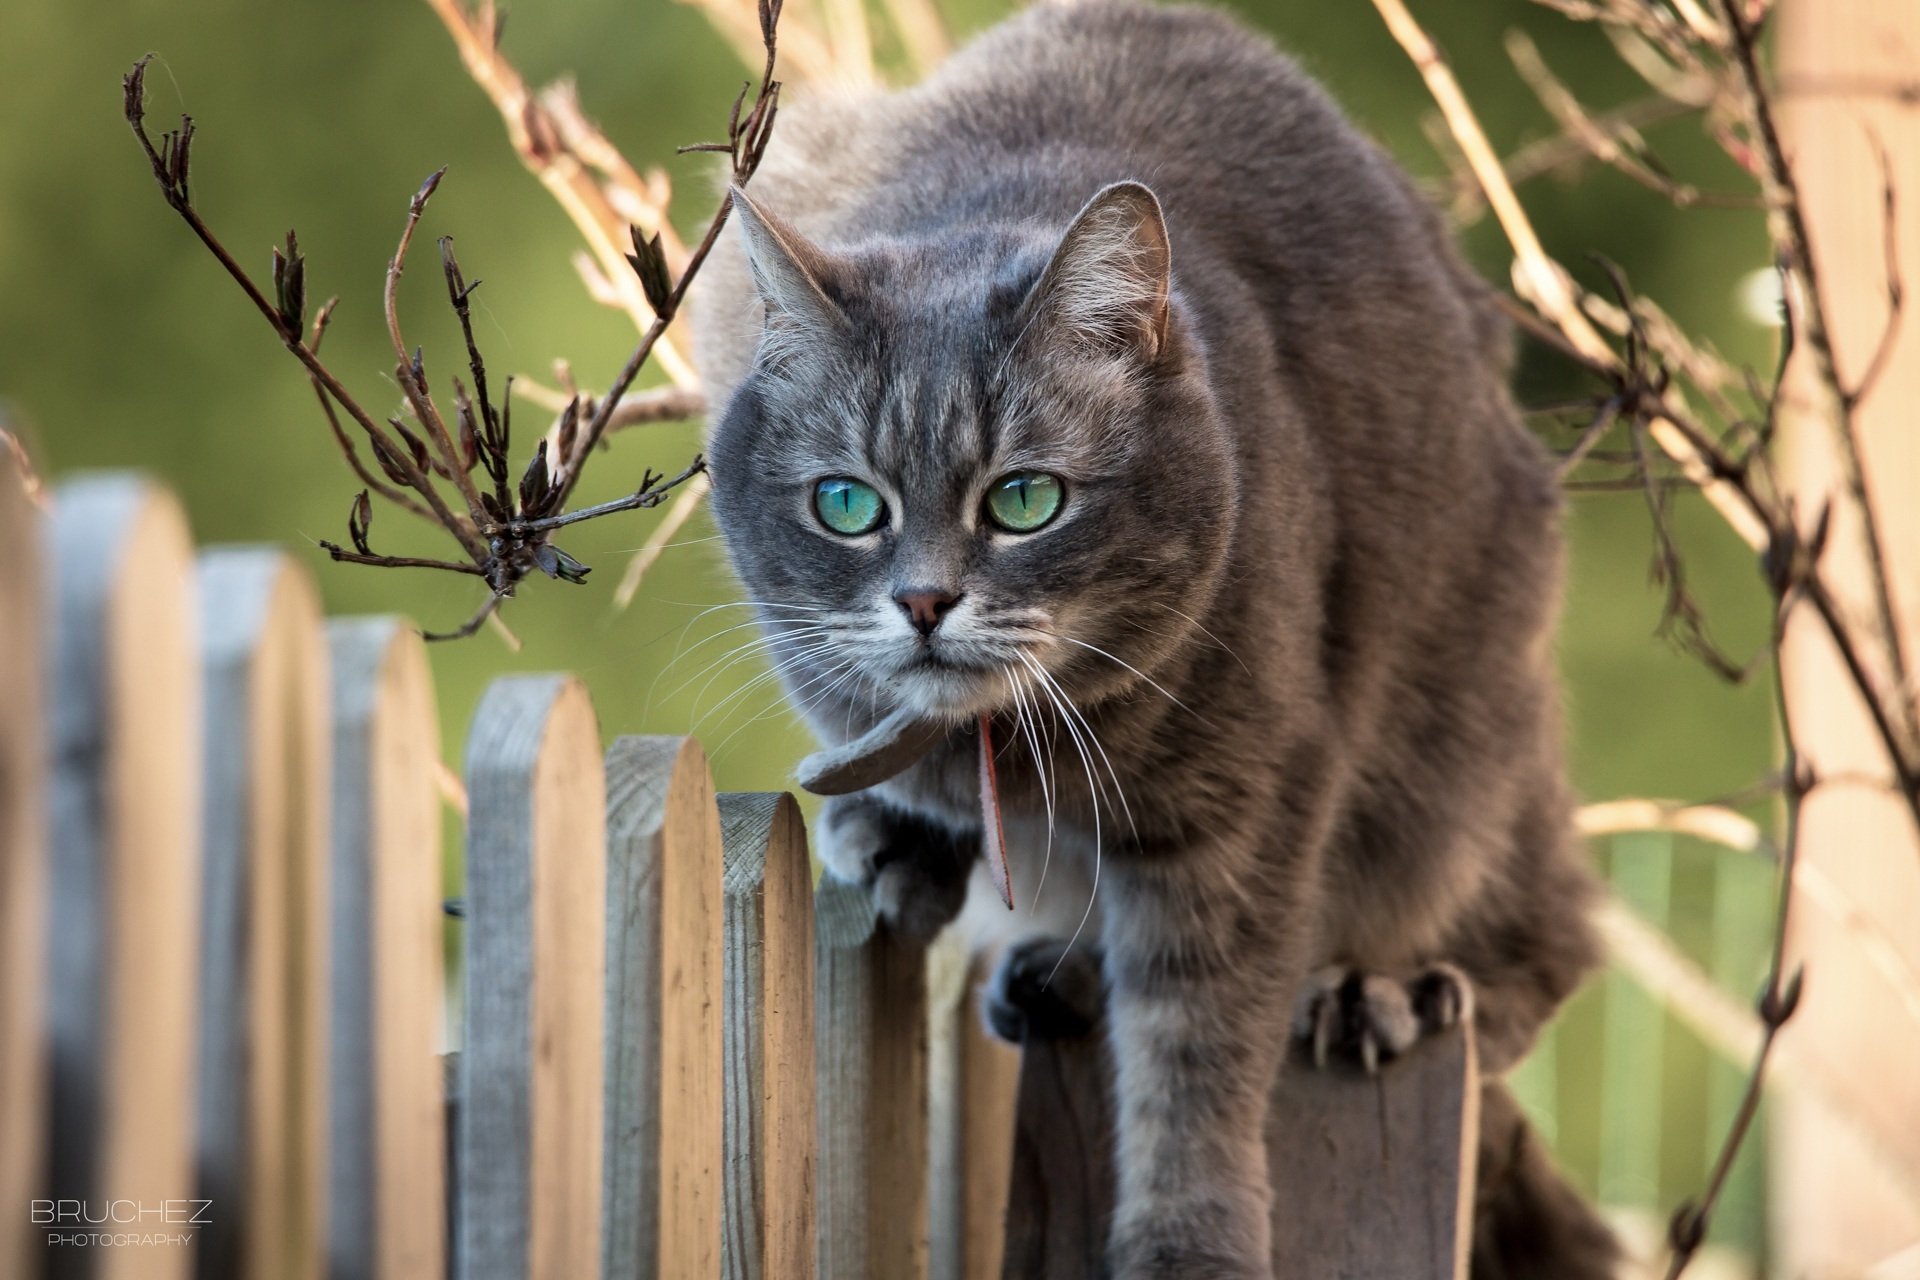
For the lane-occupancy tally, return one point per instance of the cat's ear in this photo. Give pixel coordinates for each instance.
(1107, 285)
(788, 271)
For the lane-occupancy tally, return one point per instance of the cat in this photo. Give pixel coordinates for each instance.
(1111, 385)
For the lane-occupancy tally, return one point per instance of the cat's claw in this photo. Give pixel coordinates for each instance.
(1370, 1019)
(916, 872)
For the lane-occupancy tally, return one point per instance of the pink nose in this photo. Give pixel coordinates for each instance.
(925, 609)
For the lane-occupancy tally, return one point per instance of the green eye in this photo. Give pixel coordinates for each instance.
(1025, 500)
(848, 506)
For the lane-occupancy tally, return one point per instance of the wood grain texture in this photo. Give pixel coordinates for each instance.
(261, 1107)
(386, 1119)
(989, 1085)
(23, 871)
(123, 820)
(1373, 1179)
(530, 1116)
(870, 1046)
(1061, 1193)
(663, 1002)
(768, 1220)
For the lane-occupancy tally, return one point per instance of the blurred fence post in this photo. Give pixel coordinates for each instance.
(123, 820)
(23, 871)
(1633, 1065)
(529, 1197)
(870, 1048)
(261, 1108)
(972, 1083)
(387, 1189)
(769, 1212)
(663, 1009)
(1836, 1213)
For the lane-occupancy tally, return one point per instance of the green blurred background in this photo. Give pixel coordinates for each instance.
(123, 345)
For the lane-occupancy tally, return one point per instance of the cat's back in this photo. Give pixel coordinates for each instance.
(1285, 219)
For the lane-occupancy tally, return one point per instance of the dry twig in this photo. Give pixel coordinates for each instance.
(504, 530)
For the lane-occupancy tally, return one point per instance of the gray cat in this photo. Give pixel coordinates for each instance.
(1111, 385)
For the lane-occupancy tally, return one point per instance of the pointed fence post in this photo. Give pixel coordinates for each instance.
(769, 1217)
(663, 1001)
(387, 1185)
(123, 824)
(530, 1099)
(261, 1109)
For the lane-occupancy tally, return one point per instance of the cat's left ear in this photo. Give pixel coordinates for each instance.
(1108, 283)
(789, 271)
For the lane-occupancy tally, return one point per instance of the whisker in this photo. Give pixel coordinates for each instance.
(773, 672)
(1026, 718)
(1137, 671)
(684, 651)
(810, 634)
(1216, 639)
(1094, 792)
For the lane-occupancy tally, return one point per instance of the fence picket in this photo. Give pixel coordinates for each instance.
(663, 1000)
(530, 1114)
(23, 871)
(123, 821)
(973, 1081)
(1634, 1053)
(769, 1210)
(870, 1046)
(386, 1142)
(260, 1111)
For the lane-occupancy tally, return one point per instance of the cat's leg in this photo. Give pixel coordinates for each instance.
(1202, 963)
(1371, 1018)
(916, 870)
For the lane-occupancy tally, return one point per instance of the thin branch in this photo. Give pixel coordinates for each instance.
(1783, 191)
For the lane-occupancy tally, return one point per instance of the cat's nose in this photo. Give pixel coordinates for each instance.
(925, 608)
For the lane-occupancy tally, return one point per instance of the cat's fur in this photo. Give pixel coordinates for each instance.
(1303, 522)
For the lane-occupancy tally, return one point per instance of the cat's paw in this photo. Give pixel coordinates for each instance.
(915, 870)
(1368, 1018)
(1042, 989)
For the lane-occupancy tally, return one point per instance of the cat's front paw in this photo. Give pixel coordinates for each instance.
(1369, 1018)
(915, 870)
(1044, 989)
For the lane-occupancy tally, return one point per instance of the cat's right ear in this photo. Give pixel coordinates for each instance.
(789, 272)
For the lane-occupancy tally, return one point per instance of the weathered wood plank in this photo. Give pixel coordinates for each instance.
(23, 871)
(1061, 1193)
(260, 1148)
(530, 1115)
(663, 1001)
(124, 813)
(768, 1231)
(1373, 1179)
(973, 1080)
(386, 1122)
(870, 1048)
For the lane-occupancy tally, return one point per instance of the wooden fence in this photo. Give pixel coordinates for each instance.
(221, 1020)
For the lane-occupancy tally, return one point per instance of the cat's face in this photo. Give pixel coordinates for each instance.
(969, 472)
